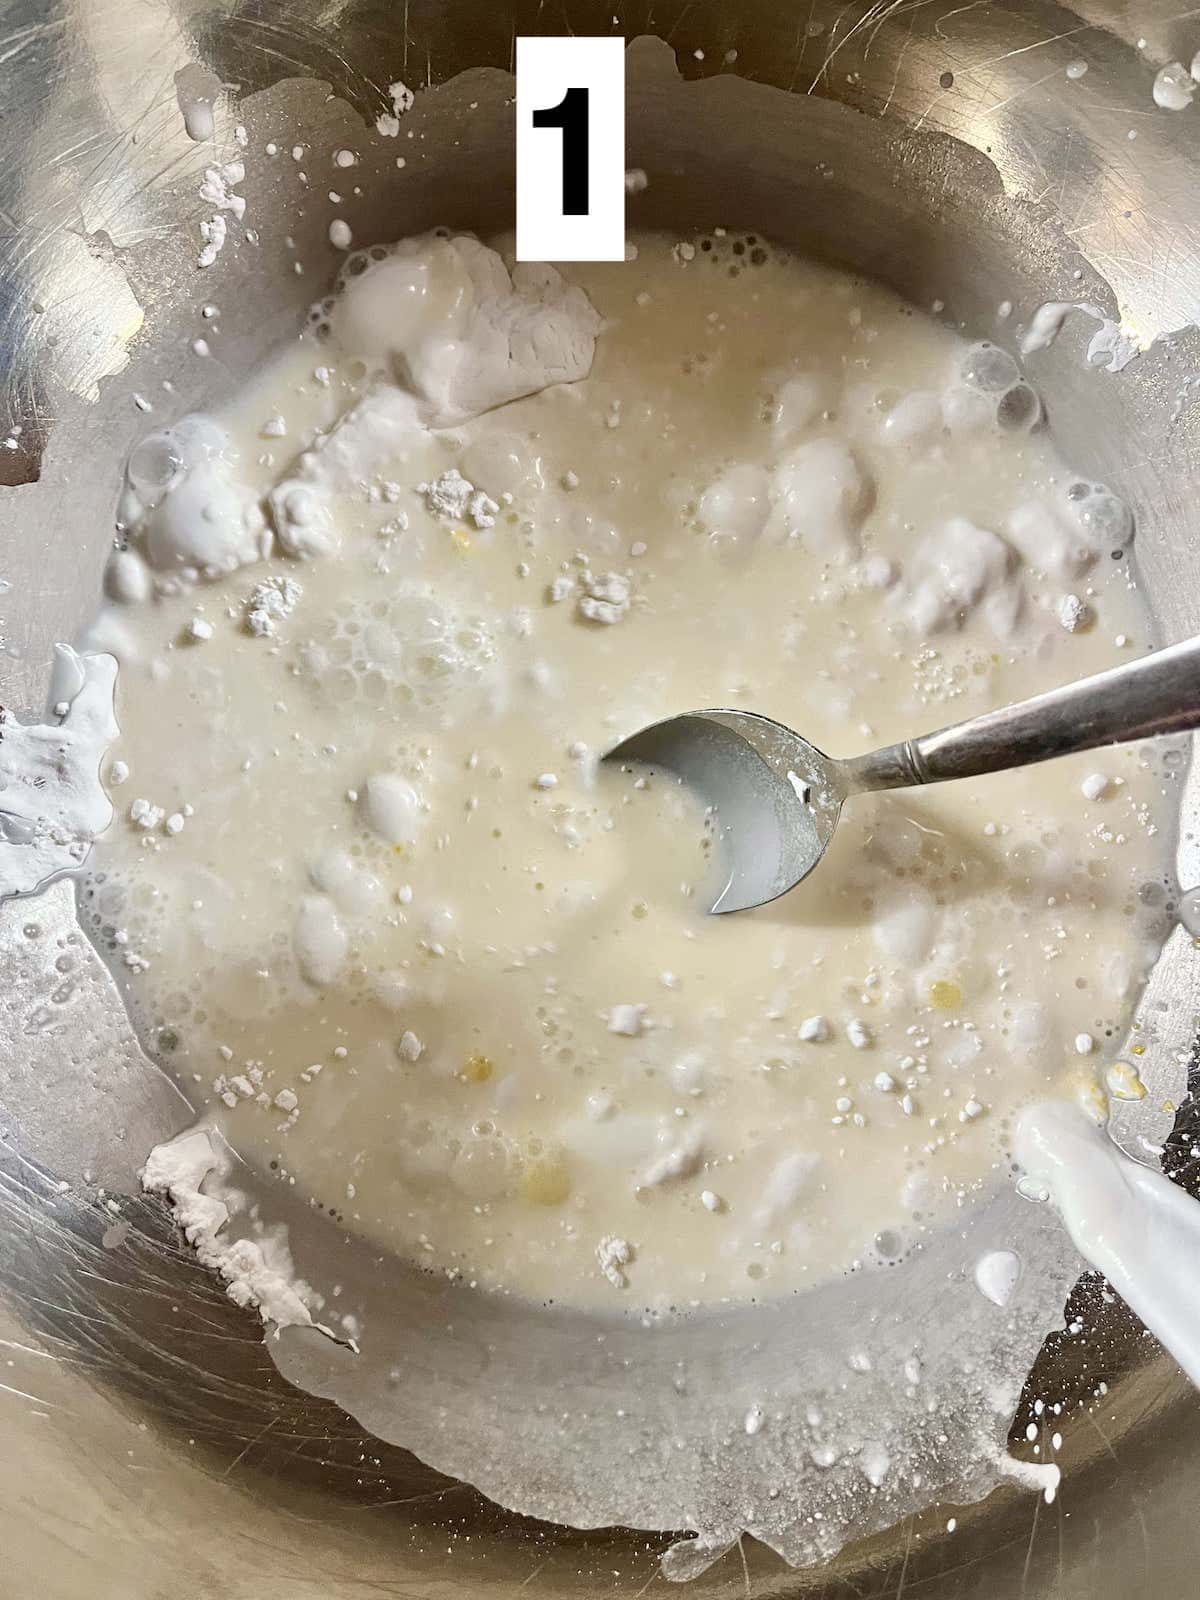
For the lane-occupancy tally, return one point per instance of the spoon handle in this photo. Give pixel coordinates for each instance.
(1160, 693)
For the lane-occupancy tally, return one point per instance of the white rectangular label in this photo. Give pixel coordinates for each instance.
(570, 149)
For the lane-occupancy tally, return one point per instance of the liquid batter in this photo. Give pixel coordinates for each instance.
(404, 944)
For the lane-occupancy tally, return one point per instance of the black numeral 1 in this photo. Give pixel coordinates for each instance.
(571, 115)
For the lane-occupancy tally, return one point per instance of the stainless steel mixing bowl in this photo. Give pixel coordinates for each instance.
(150, 1447)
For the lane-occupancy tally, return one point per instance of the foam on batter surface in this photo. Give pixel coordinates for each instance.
(409, 950)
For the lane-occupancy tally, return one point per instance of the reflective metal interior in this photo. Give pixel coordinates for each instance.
(151, 1444)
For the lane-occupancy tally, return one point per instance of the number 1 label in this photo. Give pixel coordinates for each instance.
(570, 149)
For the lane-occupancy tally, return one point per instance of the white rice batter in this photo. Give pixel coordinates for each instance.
(399, 939)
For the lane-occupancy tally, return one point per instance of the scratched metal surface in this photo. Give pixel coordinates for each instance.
(151, 1444)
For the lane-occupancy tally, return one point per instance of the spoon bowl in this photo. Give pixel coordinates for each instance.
(775, 797)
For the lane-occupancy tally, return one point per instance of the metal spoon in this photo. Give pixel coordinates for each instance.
(777, 798)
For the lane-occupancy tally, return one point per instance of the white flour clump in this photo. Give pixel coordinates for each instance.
(217, 190)
(218, 184)
(257, 1272)
(678, 1160)
(821, 494)
(613, 1255)
(606, 598)
(319, 940)
(343, 462)
(1073, 613)
(453, 496)
(955, 570)
(302, 519)
(185, 506)
(52, 803)
(627, 1019)
(1066, 536)
(212, 233)
(392, 808)
(269, 600)
(145, 815)
(735, 507)
(446, 321)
